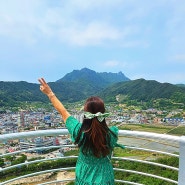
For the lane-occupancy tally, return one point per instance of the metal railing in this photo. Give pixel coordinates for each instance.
(179, 142)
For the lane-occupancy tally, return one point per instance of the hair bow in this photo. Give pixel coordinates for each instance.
(100, 116)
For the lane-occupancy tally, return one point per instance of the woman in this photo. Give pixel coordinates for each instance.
(95, 140)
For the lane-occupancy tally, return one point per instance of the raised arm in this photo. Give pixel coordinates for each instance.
(45, 88)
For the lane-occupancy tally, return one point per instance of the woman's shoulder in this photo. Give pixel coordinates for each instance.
(113, 136)
(73, 126)
(72, 123)
(114, 129)
(71, 118)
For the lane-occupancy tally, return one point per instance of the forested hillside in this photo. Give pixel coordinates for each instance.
(80, 84)
(144, 90)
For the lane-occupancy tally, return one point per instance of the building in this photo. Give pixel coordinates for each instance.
(174, 120)
(38, 142)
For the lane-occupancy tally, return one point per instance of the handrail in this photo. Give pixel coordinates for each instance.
(151, 135)
(56, 181)
(36, 161)
(37, 173)
(147, 174)
(51, 132)
(150, 150)
(37, 148)
(56, 132)
(146, 162)
(137, 134)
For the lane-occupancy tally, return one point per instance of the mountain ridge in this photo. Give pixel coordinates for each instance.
(144, 90)
(102, 79)
(80, 84)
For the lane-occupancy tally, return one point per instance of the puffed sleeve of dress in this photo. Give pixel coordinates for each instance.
(73, 127)
(114, 139)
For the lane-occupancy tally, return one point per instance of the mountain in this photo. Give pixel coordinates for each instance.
(13, 93)
(91, 78)
(80, 84)
(180, 85)
(143, 90)
(74, 86)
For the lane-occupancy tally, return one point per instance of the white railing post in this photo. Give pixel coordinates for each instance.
(181, 175)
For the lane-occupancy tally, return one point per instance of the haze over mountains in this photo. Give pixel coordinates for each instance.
(80, 84)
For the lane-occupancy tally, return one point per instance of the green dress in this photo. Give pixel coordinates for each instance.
(91, 170)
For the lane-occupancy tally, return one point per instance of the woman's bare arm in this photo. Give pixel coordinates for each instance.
(45, 88)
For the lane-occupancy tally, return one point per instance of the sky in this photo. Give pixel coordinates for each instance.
(50, 38)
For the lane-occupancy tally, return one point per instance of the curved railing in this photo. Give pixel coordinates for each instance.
(178, 141)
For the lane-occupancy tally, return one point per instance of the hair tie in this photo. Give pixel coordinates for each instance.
(100, 116)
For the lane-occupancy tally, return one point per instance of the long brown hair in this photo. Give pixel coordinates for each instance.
(96, 138)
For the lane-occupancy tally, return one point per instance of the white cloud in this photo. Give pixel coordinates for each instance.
(173, 77)
(132, 31)
(111, 63)
(94, 33)
(175, 27)
(176, 59)
(22, 19)
(27, 24)
(117, 64)
(135, 43)
(84, 23)
(179, 58)
(93, 4)
(30, 21)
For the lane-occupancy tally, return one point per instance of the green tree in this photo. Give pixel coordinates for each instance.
(1, 162)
